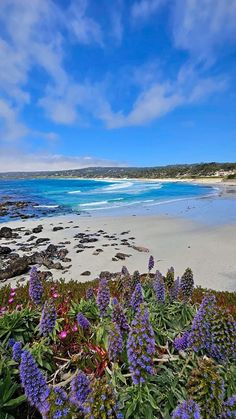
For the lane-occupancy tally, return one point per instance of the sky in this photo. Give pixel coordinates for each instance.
(116, 83)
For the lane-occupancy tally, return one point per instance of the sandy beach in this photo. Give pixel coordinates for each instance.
(208, 250)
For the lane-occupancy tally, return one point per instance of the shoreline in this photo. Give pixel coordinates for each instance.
(218, 189)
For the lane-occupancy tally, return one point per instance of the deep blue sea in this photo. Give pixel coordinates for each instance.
(100, 197)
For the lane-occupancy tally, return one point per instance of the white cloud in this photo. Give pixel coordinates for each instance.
(161, 98)
(144, 9)
(34, 36)
(203, 27)
(85, 29)
(10, 128)
(39, 162)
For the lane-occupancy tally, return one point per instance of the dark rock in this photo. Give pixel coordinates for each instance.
(25, 248)
(28, 232)
(42, 259)
(105, 274)
(88, 240)
(140, 249)
(37, 229)
(86, 273)
(31, 238)
(95, 253)
(16, 267)
(4, 250)
(57, 228)
(6, 233)
(51, 249)
(122, 256)
(42, 240)
(44, 275)
(61, 254)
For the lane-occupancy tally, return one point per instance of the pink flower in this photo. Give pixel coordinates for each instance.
(12, 294)
(63, 334)
(75, 328)
(10, 300)
(55, 295)
(3, 310)
(13, 289)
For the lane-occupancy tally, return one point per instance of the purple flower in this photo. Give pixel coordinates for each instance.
(214, 331)
(141, 346)
(35, 286)
(16, 351)
(135, 279)
(118, 316)
(89, 294)
(187, 284)
(124, 271)
(103, 296)
(200, 334)
(83, 321)
(59, 406)
(229, 408)
(80, 389)
(174, 290)
(61, 396)
(48, 318)
(102, 401)
(159, 287)
(187, 410)
(11, 342)
(151, 263)
(137, 297)
(115, 342)
(181, 343)
(34, 383)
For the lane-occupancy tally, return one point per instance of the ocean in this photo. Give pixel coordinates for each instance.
(101, 197)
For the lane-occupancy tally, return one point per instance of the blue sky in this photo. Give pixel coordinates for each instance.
(127, 82)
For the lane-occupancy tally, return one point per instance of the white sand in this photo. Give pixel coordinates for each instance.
(209, 251)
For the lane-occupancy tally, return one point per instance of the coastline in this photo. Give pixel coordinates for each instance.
(198, 232)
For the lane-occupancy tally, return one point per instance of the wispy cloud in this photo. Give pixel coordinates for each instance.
(85, 29)
(162, 97)
(10, 127)
(144, 9)
(34, 38)
(39, 162)
(204, 27)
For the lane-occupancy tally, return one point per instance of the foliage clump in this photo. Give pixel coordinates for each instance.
(132, 347)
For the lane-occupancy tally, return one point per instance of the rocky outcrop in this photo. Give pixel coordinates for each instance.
(16, 267)
(4, 250)
(6, 233)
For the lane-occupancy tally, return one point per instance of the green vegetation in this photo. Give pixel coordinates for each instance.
(85, 353)
(221, 170)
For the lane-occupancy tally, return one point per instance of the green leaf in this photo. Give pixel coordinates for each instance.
(15, 402)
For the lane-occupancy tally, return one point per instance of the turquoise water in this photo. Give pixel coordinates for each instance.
(100, 197)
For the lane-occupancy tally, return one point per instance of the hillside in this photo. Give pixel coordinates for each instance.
(171, 171)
